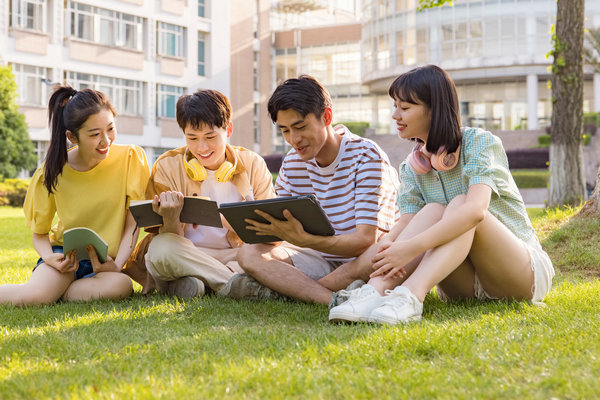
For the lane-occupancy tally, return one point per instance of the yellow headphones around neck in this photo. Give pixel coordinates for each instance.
(197, 172)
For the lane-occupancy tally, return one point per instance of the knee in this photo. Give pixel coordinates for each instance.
(122, 286)
(161, 248)
(117, 286)
(247, 256)
(251, 256)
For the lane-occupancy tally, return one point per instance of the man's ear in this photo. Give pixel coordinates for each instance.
(72, 138)
(327, 116)
(229, 129)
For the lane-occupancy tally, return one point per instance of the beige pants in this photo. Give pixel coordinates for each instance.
(172, 256)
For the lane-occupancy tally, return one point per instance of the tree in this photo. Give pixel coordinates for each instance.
(567, 172)
(16, 149)
(591, 55)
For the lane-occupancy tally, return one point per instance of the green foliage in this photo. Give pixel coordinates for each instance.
(150, 347)
(531, 178)
(425, 4)
(356, 127)
(13, 191)
(591, 51)
(544, 141)
(16, 149)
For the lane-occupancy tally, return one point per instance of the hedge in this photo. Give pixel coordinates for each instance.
(528, 158)
(13, 191)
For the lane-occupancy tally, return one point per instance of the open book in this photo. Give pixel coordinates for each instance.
(196, 210)
(304, 208)
(79, 238)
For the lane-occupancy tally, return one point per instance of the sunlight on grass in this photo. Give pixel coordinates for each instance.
(154, 346)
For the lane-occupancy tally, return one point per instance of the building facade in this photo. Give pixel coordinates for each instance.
(143, 54)
(495, 50)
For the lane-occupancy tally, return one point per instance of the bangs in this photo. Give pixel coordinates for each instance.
(405, 88)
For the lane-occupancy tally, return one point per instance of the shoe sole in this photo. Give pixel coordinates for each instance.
(338, 318)
(381, 320)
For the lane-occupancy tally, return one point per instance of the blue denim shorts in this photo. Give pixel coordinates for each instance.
(84, 270)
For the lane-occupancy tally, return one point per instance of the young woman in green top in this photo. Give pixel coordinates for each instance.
(464, 226)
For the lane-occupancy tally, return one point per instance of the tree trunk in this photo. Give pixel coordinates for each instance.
(592, 207)
(567, 173)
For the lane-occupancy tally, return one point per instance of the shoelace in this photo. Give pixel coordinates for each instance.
(356, 293)
(392, 297)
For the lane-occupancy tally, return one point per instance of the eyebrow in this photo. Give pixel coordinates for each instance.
(198, 134)
(97, 129)
(292, 124)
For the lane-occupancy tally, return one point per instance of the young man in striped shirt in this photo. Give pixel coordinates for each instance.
(352, 179)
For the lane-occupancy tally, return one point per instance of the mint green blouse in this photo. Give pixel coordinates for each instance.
(482, 160)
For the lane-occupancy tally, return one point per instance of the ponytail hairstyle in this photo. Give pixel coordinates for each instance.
(432, 87)
(68, 109)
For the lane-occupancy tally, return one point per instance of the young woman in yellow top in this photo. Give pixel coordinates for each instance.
(88, 186)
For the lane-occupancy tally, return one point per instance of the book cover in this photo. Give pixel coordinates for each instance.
(79, 238)
(196, 210)
(304, 208)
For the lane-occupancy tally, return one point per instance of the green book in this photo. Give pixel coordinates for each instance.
(79, 238)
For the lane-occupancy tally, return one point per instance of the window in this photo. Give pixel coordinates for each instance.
(107, 27)
(167, 98)
(201, 52)
(29, 14)
(201, 8)
(40, 149)
(255, 123)
(170, 40)
(125, 94)
(30, 88)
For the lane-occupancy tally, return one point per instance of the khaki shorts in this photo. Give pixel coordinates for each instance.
(310, 261)
(542, 268)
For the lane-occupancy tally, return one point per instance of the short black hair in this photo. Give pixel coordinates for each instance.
(431, 86)
(304, 94)
(203, 108)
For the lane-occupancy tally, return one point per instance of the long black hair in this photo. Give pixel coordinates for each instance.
(432, 86)
(68, 109)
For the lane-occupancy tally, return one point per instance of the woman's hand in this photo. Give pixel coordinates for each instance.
(62, 263)
(97, 266)
(391, 258)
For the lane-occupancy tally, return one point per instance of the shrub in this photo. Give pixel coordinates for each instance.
(13, 191)
(591, 122)
(356, 127)
(544, 141)
(528, 158)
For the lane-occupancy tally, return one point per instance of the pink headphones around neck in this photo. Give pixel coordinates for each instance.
(421, 161)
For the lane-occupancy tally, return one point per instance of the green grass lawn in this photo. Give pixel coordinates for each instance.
(159, 347)
(531, 178)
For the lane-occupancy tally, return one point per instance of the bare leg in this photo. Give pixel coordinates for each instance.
(272, 266)
(104, 285)
(428, 216)
(45, 286)
(500, 259)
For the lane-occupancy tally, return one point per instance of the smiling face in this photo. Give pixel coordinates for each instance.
(94, 138)
(207, 144)
(310, 136)
(413, 121)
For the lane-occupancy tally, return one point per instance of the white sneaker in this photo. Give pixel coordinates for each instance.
(359, 305)
(399, 305)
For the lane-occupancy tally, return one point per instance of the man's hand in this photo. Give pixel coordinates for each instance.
(290, 229)
(168, 205)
